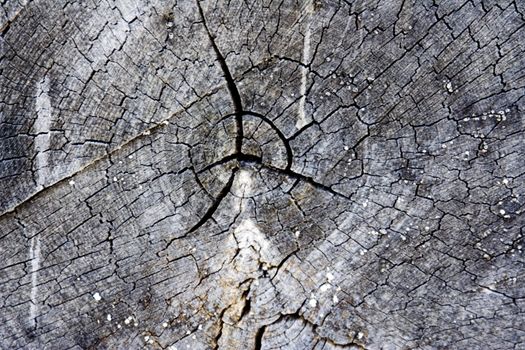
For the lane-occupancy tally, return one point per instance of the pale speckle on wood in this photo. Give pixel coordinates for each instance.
(262, 175)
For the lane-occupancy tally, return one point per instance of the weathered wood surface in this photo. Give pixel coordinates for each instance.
(262, 174)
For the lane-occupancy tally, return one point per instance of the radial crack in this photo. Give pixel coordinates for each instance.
(232, 87)
(211, 210)
(289, 154)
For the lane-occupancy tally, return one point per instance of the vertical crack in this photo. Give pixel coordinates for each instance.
(232, 87)
(258, 338)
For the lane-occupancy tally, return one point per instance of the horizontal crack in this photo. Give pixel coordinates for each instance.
(240, 157)
(307, 179)
(248, 158)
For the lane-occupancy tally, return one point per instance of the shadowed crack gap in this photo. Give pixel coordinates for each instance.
(238, 156)
(271, 124)
(211, 210)
(258, 337)
(289, 154)
(232, 87)
(251, 159)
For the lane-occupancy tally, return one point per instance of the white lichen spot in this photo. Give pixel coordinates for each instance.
(97, 296)
(449, 87)
(108, 317)
(502, 211)
(312, 302)
(71, 182)
(325, 287)
(165, 324)
(360, 335)
(335, 299)
(505, 181)
(330, 276)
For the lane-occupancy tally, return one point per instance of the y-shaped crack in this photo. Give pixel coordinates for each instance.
(238, 155)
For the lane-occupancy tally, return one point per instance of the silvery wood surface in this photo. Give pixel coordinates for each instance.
(262, 174)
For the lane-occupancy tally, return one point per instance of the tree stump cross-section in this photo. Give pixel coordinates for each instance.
(262, 174)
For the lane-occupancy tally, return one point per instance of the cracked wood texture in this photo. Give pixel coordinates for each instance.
(262, 174)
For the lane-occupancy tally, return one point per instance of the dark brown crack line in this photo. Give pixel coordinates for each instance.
(258, 338)
(211, 210)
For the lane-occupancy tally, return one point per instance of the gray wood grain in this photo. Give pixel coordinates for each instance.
(262, 174)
